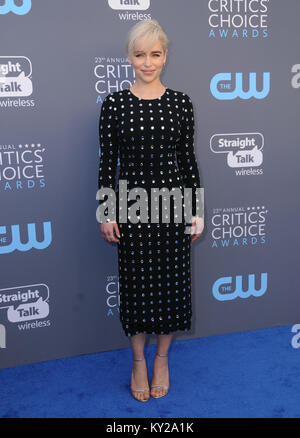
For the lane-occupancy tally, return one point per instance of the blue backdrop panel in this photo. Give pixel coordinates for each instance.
(239, 62)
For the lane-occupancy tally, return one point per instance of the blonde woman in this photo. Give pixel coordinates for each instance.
(151, 126)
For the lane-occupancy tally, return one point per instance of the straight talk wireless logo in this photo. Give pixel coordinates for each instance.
(25, 305)
(15, 82)
(131, 9)
(243, 151)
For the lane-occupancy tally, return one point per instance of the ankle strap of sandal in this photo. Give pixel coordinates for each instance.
(162, 355)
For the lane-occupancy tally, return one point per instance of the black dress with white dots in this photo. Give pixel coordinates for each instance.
(154, 139)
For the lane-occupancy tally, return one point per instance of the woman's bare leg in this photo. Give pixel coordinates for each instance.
(139, 378)
(160, 366)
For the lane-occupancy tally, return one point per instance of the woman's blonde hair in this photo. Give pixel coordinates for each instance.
(151, 30)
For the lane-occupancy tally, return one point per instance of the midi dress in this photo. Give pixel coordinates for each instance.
(154, 139)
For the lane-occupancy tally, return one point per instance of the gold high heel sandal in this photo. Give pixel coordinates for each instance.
(160, 386)
(138, 390)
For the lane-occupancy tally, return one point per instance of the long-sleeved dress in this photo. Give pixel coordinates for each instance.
(154, 139)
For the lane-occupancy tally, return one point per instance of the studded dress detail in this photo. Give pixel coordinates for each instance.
(154, 139)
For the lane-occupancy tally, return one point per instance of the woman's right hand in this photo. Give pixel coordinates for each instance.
(108, 229)
(197, 227)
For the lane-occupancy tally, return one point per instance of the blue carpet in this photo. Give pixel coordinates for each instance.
(246, 374)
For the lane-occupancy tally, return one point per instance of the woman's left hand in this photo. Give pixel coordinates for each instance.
(197, 227)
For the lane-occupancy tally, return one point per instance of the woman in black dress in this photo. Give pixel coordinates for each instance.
(152, 129)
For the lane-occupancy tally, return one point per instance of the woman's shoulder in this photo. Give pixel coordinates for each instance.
(182, 95)
(116, 96)
(111, 96)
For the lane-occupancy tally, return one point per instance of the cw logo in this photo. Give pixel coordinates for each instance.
(2, 336)
(222, 288)
(221, 90)
(32, 242)
(10, 6)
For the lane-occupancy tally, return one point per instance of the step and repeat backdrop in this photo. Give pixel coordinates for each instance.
(239, 62)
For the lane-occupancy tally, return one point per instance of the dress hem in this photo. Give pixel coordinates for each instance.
(157, 331)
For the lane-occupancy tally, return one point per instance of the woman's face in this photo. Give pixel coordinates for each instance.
(147, 64)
